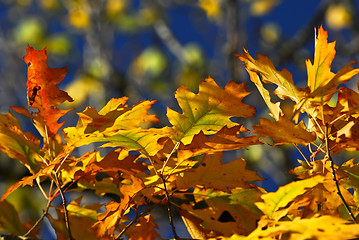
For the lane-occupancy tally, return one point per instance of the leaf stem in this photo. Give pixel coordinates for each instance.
(335, 177)
(169, 156)
(302, 154)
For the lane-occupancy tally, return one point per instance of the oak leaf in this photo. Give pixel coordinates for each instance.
(283, 79)
(117, 125)
(274, 201)
(214, 174)
(218, 213)
(284, 131)
(43, 93)
(322, 82)
(145, 229)
(226, 139)
(209, 110)
(317, 227)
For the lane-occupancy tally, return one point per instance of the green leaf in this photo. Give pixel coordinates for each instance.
(273, 201)
(209, 110)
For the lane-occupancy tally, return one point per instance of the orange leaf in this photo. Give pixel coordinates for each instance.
(224, 140)
(145, 229)
(43, 94)
(214, 174)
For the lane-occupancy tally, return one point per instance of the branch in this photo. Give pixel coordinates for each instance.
(134, 220)
(64, 204)
(169, 209)
(334, 175)
(169, 40)
(39, 220)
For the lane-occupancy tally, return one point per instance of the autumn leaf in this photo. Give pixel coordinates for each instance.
(274, 108)
(116, 164)
(325, 193)
(209, 110)
(81, 217)
(274, 201)
(322, 82)
(317, 227)
(283, 79)
(319, 72)
(117, 125)
(284, 131)
(222, 214)
(17, 144)
(43, 93)
(145, 229)
(214, 174)
(109, 220)
(225, 139)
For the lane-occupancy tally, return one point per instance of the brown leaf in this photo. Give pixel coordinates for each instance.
(214, 174)
(145, 229)
(284, 131)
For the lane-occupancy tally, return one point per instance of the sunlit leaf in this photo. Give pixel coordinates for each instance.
(274, 201)
(209, 110)
(322, 227)
(284, 131)
(213, 173)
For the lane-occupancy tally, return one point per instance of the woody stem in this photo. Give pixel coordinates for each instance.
(334, 175)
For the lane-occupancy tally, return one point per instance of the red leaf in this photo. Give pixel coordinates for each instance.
(42, 93)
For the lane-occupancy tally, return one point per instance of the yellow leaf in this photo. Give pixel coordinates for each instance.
(283, 79)
(274, 201)
(222, 214)
(320, 228)
(319, 73)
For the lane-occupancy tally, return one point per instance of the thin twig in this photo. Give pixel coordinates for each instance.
(335, 177)
(134, 221)
(64, 203)
(169, 209)
(40, 219)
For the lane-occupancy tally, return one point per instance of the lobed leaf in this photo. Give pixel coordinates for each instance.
(209, 110)
(214, 174)
(284, 131)
(274, 201)
(321, 228)
(43, 94)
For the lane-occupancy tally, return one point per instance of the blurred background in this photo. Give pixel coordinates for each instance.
(146, 49)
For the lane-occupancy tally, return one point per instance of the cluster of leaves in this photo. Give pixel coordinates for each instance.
(181, 165)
